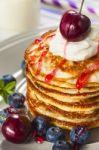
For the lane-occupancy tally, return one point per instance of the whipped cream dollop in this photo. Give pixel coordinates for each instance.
(75, 51)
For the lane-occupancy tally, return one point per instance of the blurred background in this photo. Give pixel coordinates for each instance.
(18, 16)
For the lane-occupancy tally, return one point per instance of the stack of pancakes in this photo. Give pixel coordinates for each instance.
(51, 87)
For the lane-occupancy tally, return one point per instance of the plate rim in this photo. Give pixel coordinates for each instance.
(21, 36)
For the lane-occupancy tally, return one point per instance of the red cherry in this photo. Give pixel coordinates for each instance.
(17, 128)
(74, 26)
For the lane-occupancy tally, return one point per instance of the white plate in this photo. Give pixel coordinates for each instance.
(11, 55)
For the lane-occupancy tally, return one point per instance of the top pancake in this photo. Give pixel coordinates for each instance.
(40, 59)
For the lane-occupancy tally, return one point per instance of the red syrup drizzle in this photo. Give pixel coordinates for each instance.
(51, 75)
(44, 53)
(32, 58)
(37, 41)
(84, 77)
(38, 139)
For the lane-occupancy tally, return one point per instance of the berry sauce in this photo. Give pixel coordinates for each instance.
(37, 41)
(32, 58)
(44, 53)
(82, 80)
(51, 75)
(32, 61)
(39, 139)
(84, 77)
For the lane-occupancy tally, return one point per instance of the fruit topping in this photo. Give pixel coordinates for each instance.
(16, 128)
(8, 78)
(74, 26)
(7, 86)
(55, 133)
(40, 123)
(13, 110)
(40, 126)
(61, 145)
(85, 75)
(16, 100)
(3, 115)
(79, 135)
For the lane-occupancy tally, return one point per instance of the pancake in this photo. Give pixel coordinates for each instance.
(61, 89)
(37, 109)
(60, 95)
(52, 91)
(83, 105)
(67, 73)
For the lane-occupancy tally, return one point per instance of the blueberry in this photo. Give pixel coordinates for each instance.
(3, 116)
(79, 135)
(23, 66)
(61, 145)
(8, 78)
(40, 125)
(16, 100)
(55, 133)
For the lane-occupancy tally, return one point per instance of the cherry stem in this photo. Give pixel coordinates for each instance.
(81, 6)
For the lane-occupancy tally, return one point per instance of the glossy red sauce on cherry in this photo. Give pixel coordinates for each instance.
(74, 26)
